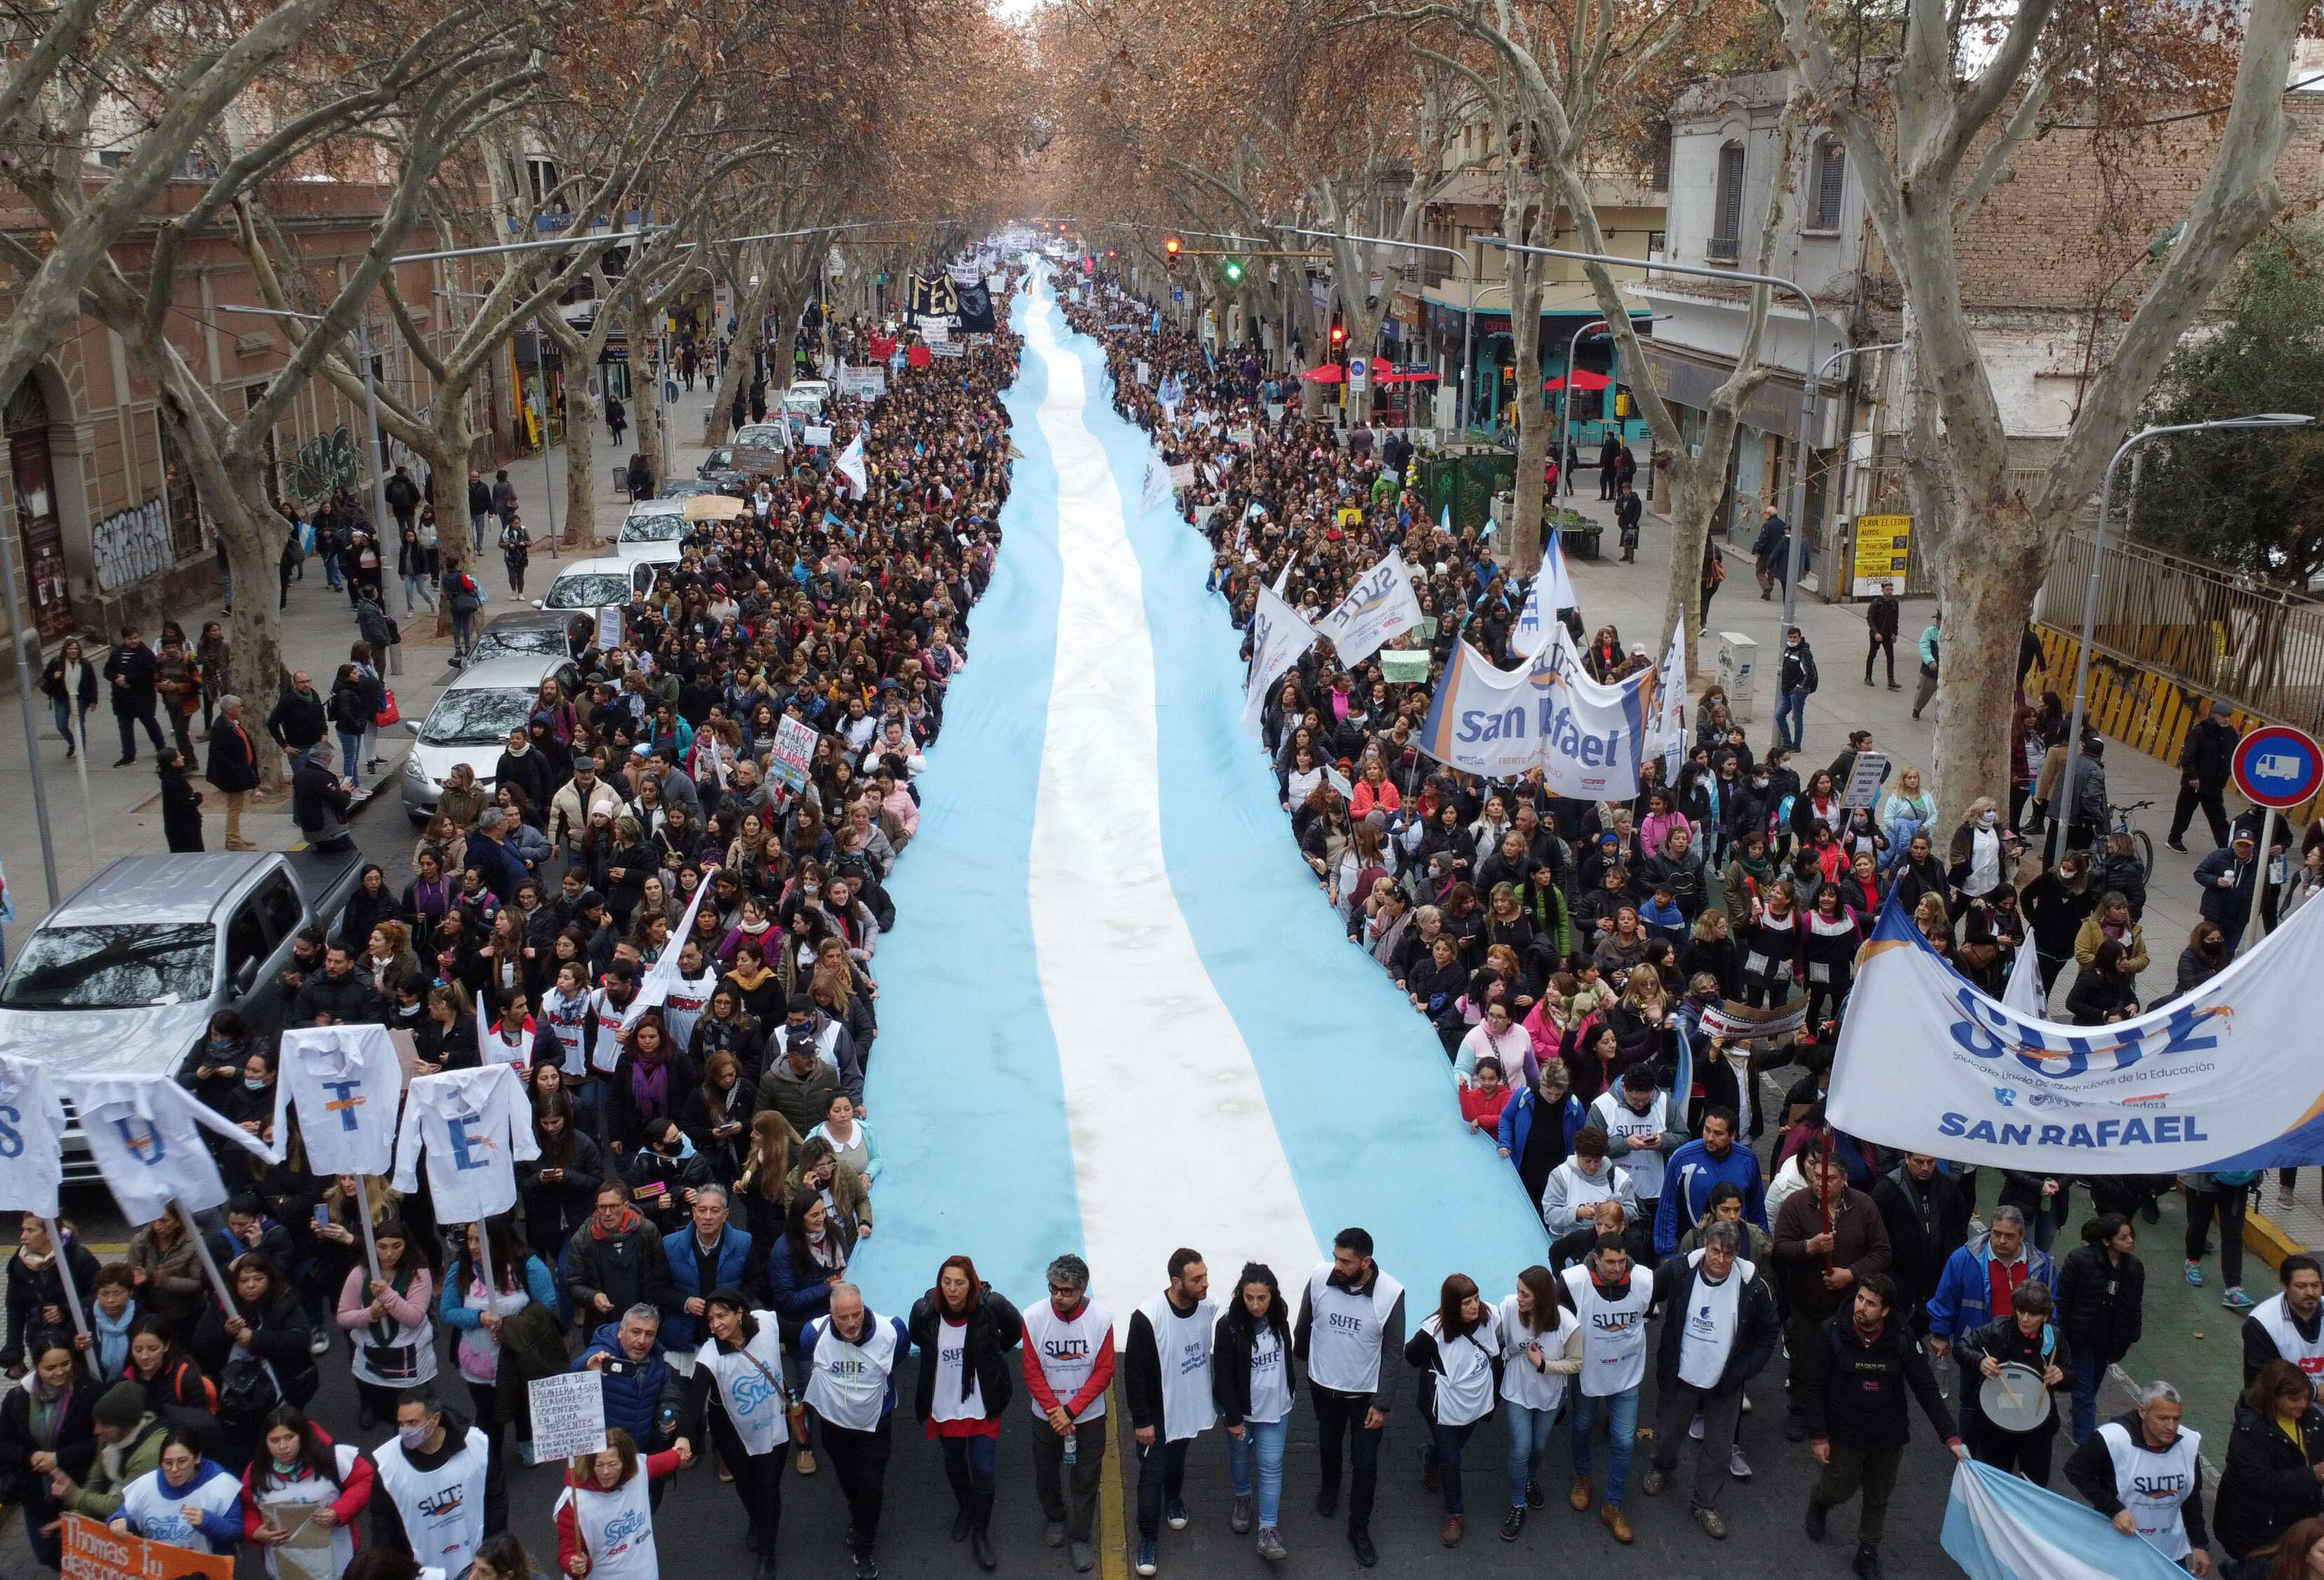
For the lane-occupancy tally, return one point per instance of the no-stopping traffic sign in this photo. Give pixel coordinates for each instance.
(2278, 766)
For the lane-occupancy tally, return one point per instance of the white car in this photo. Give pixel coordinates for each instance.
(471, 721)
(593, 584)
(651, 531)
(819, 388)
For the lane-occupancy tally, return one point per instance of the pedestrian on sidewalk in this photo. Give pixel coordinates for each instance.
(1628, 508)
(210, 651)
(516, 551)
(131, 671)
(1609, 460)
(504, 504)
(178, 682)
(617, 417)
(300, 719)
(403, 497)
(2205, 766)
(1930, 644)
(353, 709)
(290, 565)
(480, 504)
(1714, 576)
(69, 682)
(1881, 618)
(233, 769)
(413, 557)
(181, 803)
(1796, 681)
(1767, 553)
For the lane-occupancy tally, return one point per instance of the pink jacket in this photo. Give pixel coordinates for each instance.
(411, 1308)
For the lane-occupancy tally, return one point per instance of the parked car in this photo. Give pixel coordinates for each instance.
(124, 975)
(592, 583)
(651, 531)
(522, 631)
(471, 721)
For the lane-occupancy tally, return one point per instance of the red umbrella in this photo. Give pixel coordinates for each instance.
(1330, 373)
(1583, 379)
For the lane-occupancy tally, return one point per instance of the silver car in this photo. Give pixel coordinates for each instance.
(471, 721)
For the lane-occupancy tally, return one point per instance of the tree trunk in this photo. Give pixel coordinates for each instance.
(645, 385)
(1991, 558)
(445, 452)
(750, 315)
(1698, 486)
(253, 534)
(580, 464)
(1536, 422)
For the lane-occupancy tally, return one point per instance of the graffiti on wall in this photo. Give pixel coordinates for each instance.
(129, 547)
(324, 465)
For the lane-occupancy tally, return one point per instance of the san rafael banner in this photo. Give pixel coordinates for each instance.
(1587, 739)
(2224, 1077)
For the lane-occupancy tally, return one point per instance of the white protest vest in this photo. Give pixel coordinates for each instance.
(750, 1385)
(2275, 1320)
(1521, 1383)
(2152, 1486)
(1183, 1346)
(847, 1383)
(951, 1357)
(442, 1509)
(155, 1512)
(313, 1488)
(406, 1360)
(1710, 1319)
(1271, 1381)
(1343, 1346)
(617, 1529)
(684, 1006)
(1067, 1350)
(1614, 1333)
(1645, 1167)
(1464, 1369)
(567, 1019)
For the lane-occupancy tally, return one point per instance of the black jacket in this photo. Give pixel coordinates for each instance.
(139, 666)
(555, 1210)
(349, 1000)
(181, 812)
(1926, 1224)
(76, 1447)
(2269, 1481)
(278, 1335)
(2101, 1306)
(2091, 1471)
(1855, 1390)
(297, 719)
(29, 1292)
(233, 757)
(2006, 1342)
(2210, 757)
(994, 1328)
(1798, 672)
(1231, 1352)
(1758, 1328)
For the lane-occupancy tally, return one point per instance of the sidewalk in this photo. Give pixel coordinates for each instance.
(98, 812)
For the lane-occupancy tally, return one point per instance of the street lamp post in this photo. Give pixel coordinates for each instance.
(1808, 382)
(1469, 311)
(2090, 608)
(1565, 408)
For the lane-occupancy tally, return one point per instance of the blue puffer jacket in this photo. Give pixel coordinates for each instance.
(633, 1400)
(680, 1330)
(1964, 1297)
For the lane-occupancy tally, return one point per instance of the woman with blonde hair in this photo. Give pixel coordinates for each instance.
(463, 799)
(390, 957)
(762, 1193)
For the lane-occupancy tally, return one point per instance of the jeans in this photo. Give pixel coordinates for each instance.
(1161, 1475)
(1341, 1416)
(968, 1463)
(464, 635)
(1791, 719)
(66, 722)
(1621, 1427)
(1443, 1454)
(1530, 1431)
(351, 755)
(128, 723)
(417, 587)
(1264, 1441)
(476, 525)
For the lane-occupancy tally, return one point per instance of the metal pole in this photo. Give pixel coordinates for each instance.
(72, 1294)
(24, 678)
(1469, 313)
(1566, 407)
(2259, 883)
(362, 1215)
(2090, 596)
(209, 1263)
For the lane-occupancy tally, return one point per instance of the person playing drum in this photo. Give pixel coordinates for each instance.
(2022, 1359)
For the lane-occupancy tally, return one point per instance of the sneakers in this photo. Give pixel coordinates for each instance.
(2195, 1274)
(1270, 1544)
(1513, 1523)
(1175, 1516)
(1327, 1503)
(1085, 1557)
(2177, 843)
(1146, 1557)
(1713, 1526)
(806, 1463)
(1737, 1465)
(1818, 1516)
(1655, 1479)
(1694, 1428)
(320, 1343)
(1580, 1497)
(1240, 1520)
(1453, 1528)
(2235, 1299)
(1611, 1515)
(1053, 1533)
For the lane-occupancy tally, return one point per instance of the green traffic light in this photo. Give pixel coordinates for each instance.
(1233, 271)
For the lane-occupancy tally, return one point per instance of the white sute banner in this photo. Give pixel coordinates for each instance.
(144, 1133)
(346, 1083)
(664, 974)
(1552, 590)
(1277, 637)
(2224, 1078)
(1588, 739)
(1381, 605)
(32, 1138)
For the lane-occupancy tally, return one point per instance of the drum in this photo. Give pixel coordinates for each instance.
(2014, 1401)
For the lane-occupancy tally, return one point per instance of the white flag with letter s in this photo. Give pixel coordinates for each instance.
(1277, 637)
(32, 1138)
(1381, 605)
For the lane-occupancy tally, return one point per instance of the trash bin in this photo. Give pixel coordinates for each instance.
(1738, 659)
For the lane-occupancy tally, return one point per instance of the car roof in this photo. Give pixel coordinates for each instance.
(658, 507)
(604, 566)
(526, 670)
(159, 888)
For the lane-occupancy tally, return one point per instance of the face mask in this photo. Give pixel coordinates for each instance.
(412, 1436)
(249, 1085)
(1988, 819)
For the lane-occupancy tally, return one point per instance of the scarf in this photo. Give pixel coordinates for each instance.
(111, 1336)
(631, 1219)
(650, 1087)
(47, 1409)
(1758, 869)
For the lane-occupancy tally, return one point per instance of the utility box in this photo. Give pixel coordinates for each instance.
(1739, 661)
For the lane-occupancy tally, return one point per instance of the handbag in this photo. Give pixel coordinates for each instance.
(388, 711)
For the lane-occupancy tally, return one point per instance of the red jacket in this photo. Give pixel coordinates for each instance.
(354, 1497)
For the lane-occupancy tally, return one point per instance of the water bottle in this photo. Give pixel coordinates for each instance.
(1073, 1448)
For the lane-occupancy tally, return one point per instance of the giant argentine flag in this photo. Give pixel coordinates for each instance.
(2002, 1527)
(2223, 1077)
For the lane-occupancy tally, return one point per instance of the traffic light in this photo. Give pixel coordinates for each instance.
(1339, 336)
(1232, 269)
(1170, 245)
(1621, 402)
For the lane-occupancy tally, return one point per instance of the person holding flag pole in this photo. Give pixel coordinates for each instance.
(346, 1083)
(32, 1168)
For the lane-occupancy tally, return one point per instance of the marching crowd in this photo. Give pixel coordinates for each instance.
(705, 1178)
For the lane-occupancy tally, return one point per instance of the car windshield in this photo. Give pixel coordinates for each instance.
(518, 641)
(662, 527)
(113, 967)
(476, 716)
(593, 590)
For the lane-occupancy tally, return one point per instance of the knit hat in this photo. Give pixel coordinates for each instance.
(121, 1406)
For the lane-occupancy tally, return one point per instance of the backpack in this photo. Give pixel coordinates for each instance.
(247, 1392)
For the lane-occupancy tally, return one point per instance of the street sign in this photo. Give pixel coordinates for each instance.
(1883, 549)
(2279, 767)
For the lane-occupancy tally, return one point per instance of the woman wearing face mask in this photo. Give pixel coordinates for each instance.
(2204, 957)
(605, 1517)
(251, 1104)
(389, 1320)
(300, 1463)
(1979, 850)
(52, 1414)
(189, 1501)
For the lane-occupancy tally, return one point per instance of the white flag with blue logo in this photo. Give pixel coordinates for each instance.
(1552, 590)
(2024, 991)
(474, 1125)
(32, 1138)
(2002, 1527)
(346, 1083)
(145, 1134)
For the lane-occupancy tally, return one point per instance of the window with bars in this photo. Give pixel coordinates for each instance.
(1727, 207)
(1831, 182)
(1658, 177)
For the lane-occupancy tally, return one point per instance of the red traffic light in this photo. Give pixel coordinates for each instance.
(1339, 334)
(1171, 246)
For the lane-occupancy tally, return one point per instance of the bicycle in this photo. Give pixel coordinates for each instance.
(2118, 822)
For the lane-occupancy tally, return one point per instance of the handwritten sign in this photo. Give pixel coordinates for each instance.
(97, 1552)
(1864, 779)
(609, 627)
(793, 750)
(568, 1415)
